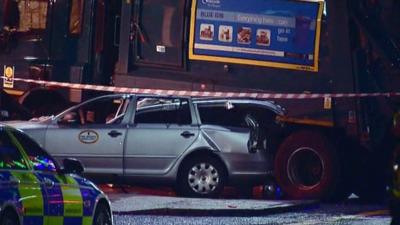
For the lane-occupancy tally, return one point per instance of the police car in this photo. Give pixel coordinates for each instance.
(35, 190)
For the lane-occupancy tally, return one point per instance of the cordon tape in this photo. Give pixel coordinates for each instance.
(217, 94)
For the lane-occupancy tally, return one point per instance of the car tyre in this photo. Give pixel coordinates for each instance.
(9, 218)
(202, 177)
(102, 216)
(306, 166)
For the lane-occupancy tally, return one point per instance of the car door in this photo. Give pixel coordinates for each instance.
(232, 128)
(93, 132)
(23, 187)
(61, 193)
(164, 128)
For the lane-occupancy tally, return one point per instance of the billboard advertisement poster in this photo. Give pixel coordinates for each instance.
(272, 33)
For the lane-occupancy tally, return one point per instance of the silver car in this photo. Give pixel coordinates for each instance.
(197, 145)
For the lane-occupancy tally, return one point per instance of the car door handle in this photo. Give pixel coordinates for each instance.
(114, 133)
(48, 182)
(187, 134)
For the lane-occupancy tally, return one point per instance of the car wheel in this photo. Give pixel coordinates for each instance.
(9, 218)
(102, 215)
(306, 166)
(203, 177)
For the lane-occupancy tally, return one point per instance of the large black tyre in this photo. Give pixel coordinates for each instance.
(102, 215)
(201, 176)
(307, 166)
(9, 218)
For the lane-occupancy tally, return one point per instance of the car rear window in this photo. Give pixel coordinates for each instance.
(221, 115)
(163, 111)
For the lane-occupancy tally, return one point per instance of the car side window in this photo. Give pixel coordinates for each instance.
(102, 111)
(39, 158)
(152, 110)
(221, 115)
(10, 156)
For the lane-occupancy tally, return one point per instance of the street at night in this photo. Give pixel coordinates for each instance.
(200, 112)
(150, 206)
(329, 215)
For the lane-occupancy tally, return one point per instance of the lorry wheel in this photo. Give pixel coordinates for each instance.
(202, 177)
(306, 166)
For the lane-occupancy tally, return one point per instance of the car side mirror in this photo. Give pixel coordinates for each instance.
(72, 166)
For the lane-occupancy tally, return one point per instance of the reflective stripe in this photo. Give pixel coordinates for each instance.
(72, 198)
(30, 192)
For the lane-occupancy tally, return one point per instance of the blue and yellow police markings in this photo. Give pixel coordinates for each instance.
(46, 197)
(89, 194)
(73, 204)
(59, 204)
(64, 201)
(31, 197)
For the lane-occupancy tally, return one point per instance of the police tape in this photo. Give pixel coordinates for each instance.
(216, 94)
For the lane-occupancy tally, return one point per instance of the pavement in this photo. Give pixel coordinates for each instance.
(144, 201)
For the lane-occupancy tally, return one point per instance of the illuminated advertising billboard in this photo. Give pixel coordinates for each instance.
(272, 33)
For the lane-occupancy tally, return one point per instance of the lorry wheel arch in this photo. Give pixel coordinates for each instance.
(42, 101)
(307, 166)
